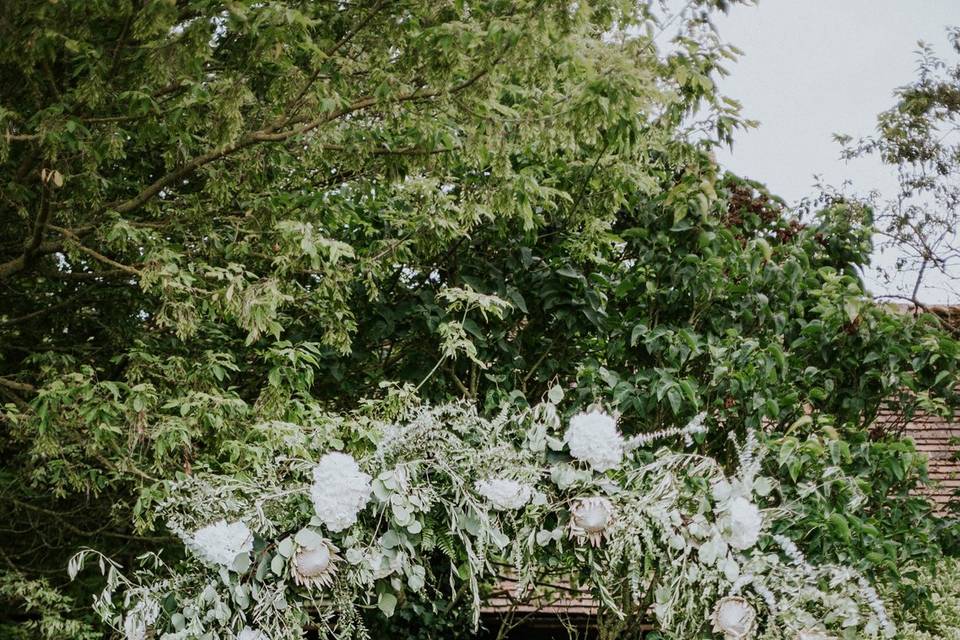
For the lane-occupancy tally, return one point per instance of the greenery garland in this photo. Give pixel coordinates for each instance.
(376, 508)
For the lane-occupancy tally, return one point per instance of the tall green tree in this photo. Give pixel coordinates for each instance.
(218, 214)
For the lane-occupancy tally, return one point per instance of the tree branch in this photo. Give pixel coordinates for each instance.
(17, 386)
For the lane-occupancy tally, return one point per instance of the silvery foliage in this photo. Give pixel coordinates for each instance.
(493, 497)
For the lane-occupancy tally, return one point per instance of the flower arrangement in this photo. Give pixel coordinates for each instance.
(320, 540)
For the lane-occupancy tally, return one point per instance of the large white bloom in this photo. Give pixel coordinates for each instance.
(590, 519)
(503, 494)
(743, 523)
(339, 491)
(315, 566)
(221, 542)
(593, 437)
(734, 618)
(809, 634)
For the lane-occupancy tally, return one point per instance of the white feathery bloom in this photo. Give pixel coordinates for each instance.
(734, 618)
(594, 438)
(743, 523)
(811, 634)
(590, 518)
(221, 542)
(315, 566)
(249, 633)
(504, 494)
(339, 490)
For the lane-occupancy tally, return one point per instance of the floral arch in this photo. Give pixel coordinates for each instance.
(362, 511)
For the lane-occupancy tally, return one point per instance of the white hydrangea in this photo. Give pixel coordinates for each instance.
(339, 491)
(221, 542)
(594, 438)
(743, 523)
(503, 494)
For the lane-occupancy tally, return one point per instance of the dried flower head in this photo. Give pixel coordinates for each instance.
(221, 542)
(734, 618)
(590, 519)
(339, 491)
(594, 438)
(504, 494)
(315, 567)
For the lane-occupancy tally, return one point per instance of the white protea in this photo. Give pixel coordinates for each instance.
(315, 567)
(221, 542)
(249, 633)
(734, 618)
(591, 518)
(742, 523)
(504, 494)
(594, 438)
(812, 634)
(339, 491)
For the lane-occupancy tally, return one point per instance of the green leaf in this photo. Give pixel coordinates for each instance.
(387, 603)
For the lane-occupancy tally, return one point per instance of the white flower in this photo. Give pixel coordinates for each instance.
(593, 437)
(810, 634)
(221, 542)
(743, 523)
(503, 494)
(590, 518)
(315, 566)
(249, 633)
(734, 618)
(339, 491)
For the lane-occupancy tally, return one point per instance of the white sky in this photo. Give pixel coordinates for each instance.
(812, 68)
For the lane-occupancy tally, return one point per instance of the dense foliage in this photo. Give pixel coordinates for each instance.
(217, 216)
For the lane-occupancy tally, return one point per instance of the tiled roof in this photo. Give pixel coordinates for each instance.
(939, 439)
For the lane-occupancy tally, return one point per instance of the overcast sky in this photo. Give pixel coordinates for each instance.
(812, 68)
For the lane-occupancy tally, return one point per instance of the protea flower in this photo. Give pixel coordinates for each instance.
(591, 518)
(315, 567)
(734, 618)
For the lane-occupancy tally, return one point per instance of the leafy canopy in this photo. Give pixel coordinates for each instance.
(216, 215)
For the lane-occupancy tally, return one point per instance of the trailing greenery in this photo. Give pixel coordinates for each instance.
(460, 502)
(219, 216)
